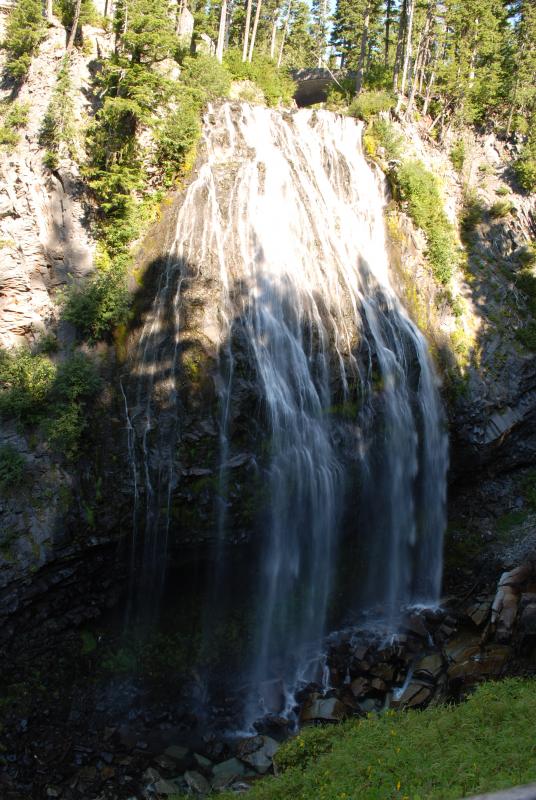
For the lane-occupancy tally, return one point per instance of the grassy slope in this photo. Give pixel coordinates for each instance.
(485, 744)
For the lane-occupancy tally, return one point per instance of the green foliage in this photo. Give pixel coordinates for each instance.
(386, 136)
(15, 118)
(529, 489)
(367, 104)
(58, 123)
(484, 744)
(207, 76)
(176, 136)
(276, 84)
(457, 155)
(525, 170)
(418, 187)
(25, 31)
(500, 209)
(66, 8)
(26, 382)
(100, 304)
(35, 391)
(472, 212)
(527, 335)
(12, 466)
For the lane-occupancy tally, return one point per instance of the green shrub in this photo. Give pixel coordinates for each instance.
(88, 13)
(25, 31)
(100, 304)
(502, 191)
(15, 118)
(472, 212)
(340, 94)
(276, 84)
(26, 381)
(12, 466)
(76, 378)
(527, 335)
(207, 76)
(176, 136)
(525, 170)
(387, 137)
(529, 489)
(418, 187)
(58, 123)
(64, 429)
(500, 209)
(367, 104)
(457, 155)
(36, 392)
(443, 753)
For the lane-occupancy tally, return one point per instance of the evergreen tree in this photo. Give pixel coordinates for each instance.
(25, 31)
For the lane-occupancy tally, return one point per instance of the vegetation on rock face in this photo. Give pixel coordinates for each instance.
(14, 119)
(11, 467)
(482, 745)
(418, 188)
(35, 391)
(58, 129)
(25, 31)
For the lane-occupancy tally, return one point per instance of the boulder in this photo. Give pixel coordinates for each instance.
(260, 759)
(197, 782)
(324, 709)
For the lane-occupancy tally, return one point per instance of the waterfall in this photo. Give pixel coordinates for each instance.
(283, 226)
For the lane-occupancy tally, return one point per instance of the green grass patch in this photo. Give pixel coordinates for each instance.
(443, 753)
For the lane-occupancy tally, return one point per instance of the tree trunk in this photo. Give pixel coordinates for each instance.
(388, 9)
(399, 44)
(274, 35)
(221, 31)
(74, 27)
(255, 26)
(246, 31)
(284, 36)
(363, 50)
(48, 11)
(420, 57)
(407, 49)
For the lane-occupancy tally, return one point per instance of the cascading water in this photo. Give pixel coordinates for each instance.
(285, 218)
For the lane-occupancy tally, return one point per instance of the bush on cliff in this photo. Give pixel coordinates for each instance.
(25, 31)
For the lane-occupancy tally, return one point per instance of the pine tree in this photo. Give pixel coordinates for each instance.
(25, 31)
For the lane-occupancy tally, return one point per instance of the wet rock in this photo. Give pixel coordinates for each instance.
(429, 666)
(166, 788)
(202, 761)
(166, 763)
(261, 758)
(415, 624)
(378, 685)
(414, 695)
(197, 782)
(477, 663)
(230, 769)
(359, 687)
(479, 611)
(176, 752)
(383, 670)
(326, 709)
